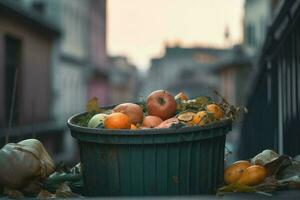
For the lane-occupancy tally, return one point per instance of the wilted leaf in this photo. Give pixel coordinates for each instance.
(178, 125)
(275, 165)
(72, 177)
(194, 105)
(270, 185)
(272, 161)
(92, 105)
(289, 171)
(92, 108)
(64, 191)
(295, 178)
(297, 158)
(84, 119)
(57, 178)
(230, 112)
(292, 182)
(202, 101)
(181, 96)
(76, 169)
(235, 187)
(264, 157)
(186, 116)
(13, 194)
(44, 194)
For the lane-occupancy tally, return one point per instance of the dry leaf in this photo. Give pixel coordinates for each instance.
(289, 171)
(13, 194)
(44, 194)
(64, 191)
(92, 105)
(264, 157)
(275, 165)
(235, 187)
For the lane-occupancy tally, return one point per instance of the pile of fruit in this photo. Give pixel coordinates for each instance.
(244, 173)
(160, 110)
(264, 173)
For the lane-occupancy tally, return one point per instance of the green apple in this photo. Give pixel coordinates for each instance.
(97, 120)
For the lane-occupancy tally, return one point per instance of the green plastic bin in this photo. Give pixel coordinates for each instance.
(184, 161)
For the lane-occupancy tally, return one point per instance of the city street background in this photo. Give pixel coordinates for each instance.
(57, 54)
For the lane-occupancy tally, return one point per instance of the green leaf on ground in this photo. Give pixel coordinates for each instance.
(235, 187)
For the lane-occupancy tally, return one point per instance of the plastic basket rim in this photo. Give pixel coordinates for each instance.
(150, 131)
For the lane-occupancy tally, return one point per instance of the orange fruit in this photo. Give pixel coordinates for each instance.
(215, 110)
(253, 175)
(233, 173)
(117, 121)
(200, 118)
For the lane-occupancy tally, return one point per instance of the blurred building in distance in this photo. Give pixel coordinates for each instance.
(233, 73)
(236, 72)
(99, 72)
(258, 17)
(78, 58)
(273, 118)
(26, 45)
(185, 69)
(124, 80)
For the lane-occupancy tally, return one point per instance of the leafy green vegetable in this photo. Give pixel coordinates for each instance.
(84, 119)
(72, 177)
(92, 108)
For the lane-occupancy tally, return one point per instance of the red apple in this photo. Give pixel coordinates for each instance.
(162, 104)
(151, 121)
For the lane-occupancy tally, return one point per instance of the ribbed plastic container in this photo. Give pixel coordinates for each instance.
(184, 161)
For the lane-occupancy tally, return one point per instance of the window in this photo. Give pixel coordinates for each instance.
(12, 62)
(250, 35)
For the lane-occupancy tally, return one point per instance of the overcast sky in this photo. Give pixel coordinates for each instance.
(140, 28)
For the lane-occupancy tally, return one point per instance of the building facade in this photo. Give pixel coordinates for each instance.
(98, 85)
(80, 69)
(62, 69)
(125, 84)
(26, 43)
(183, 69)
(258, 17)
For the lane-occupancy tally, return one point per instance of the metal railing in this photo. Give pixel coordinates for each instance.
(273, 120)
